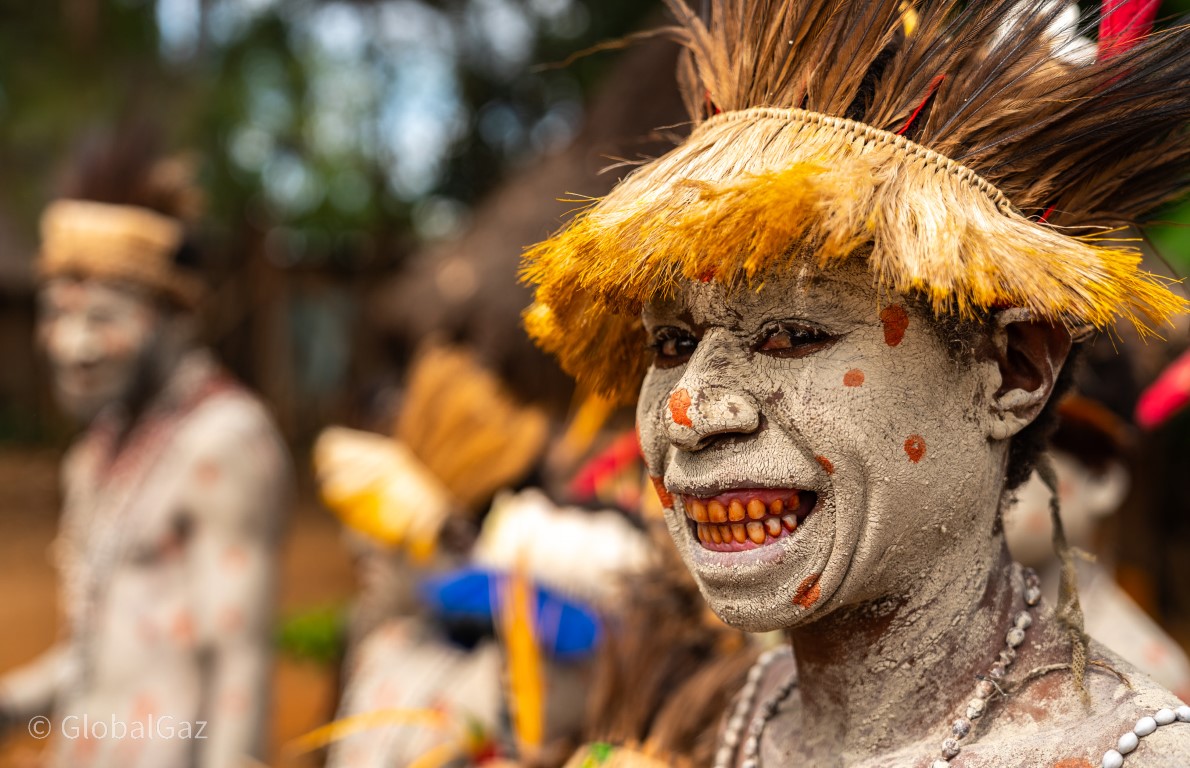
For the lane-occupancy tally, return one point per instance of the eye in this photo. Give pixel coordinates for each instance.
(793, 340)
(672, 346)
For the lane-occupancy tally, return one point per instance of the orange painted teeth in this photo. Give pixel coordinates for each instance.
(738, 511)
(741, 521)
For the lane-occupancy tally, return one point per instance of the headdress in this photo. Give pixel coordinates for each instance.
(115, 242)
(124, 217)
(977, 154)
(459, 438)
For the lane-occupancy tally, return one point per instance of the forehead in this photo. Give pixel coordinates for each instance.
(80, 293)
(846, 293)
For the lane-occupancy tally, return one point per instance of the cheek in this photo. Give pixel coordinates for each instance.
(892, 409)
(49, 339)
(122, 339)
(652, 407)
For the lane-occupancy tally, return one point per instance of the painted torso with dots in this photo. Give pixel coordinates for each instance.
(166, 550)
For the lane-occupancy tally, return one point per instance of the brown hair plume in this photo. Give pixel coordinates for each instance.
(124, 166)
(1100, 143)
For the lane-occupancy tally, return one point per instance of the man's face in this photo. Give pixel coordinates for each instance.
(98, 338)
(834, 447)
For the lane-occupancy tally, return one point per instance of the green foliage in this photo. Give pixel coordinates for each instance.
(1171, 237)
(315, 634)
(356, 128)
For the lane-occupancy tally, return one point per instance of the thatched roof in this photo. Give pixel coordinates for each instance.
(631, 117)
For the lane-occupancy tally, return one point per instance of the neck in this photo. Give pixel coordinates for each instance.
(895, 671)
(167, 379)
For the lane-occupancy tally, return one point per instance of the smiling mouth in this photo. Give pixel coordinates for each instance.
(745, 519)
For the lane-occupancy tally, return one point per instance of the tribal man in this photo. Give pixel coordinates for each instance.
(846, 306)
(173, 499)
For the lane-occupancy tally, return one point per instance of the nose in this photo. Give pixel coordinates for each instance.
(709, 402)
(72, 342)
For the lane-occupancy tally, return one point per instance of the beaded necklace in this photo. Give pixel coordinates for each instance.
(975, 708)
(960, 727)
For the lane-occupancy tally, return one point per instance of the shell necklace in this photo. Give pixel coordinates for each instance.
(735, 733)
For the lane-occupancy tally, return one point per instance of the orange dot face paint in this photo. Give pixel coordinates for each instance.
(895, 320)
(853, 378)
(826, 464)
(808, 591)
(667, 500)
(915, 448)
(679, 405)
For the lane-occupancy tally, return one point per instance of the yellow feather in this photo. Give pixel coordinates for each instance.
(349, 726)
(526, 684)
(438, 756)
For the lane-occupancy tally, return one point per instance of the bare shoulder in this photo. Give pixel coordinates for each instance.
(1048, 723)
(233, 429)
(230, 416)
(1147, 714)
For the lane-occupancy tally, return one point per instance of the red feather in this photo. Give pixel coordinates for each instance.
(1122, 23)
(1168, 395)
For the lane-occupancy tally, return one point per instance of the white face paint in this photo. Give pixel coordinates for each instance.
(815, 384)
(98, 338)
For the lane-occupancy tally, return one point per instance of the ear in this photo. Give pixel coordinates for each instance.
(1028, 355)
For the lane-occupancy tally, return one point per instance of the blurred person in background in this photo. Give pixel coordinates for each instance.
(173, 494)
(1089, 454)
(474, 633)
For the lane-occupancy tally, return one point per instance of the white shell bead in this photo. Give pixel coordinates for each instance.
(1164, 716)
(1015, 637)
(1024, 620)
(1145, 726)
(1113, 759)
(940, 764)
(1183, 713)
(1127, 743)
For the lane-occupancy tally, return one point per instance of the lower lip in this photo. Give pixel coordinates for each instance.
(749, 533)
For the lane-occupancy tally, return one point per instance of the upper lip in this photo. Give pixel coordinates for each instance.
(749, 492)
(711, 491)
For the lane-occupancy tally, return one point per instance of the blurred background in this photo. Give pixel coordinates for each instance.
(372, 170)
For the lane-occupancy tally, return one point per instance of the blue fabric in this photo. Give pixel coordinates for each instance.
(566, 628)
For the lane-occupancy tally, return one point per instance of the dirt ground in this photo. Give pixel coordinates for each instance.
(316, 572)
